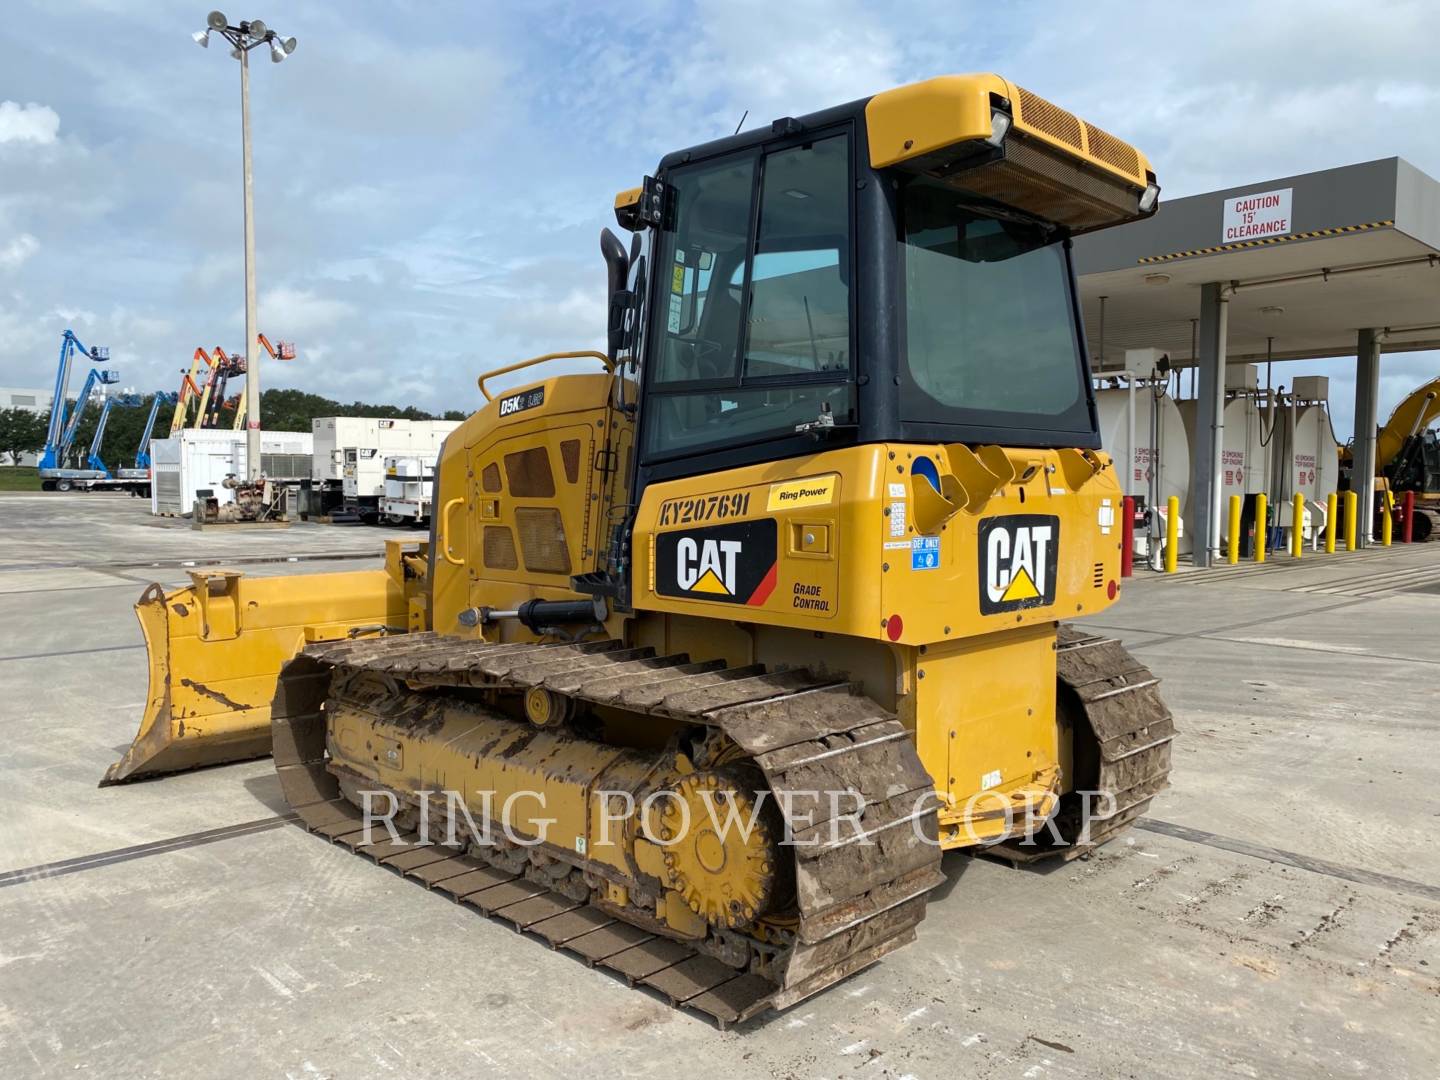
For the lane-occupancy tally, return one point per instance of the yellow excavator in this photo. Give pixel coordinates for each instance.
(797, 551)
(1407, 459)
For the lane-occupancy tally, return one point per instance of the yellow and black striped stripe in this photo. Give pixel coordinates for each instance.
(1241, 245)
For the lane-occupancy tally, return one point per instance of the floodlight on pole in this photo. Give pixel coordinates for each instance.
(243, 38)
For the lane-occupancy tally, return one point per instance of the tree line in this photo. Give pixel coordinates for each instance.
(23, 431)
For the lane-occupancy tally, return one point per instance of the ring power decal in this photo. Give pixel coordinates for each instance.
(732, 564)
(1019, 554)
(792, 494)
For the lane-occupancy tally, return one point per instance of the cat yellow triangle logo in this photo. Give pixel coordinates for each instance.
(1021, 587)
(710, 583)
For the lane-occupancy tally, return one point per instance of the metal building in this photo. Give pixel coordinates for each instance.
(1342, 262)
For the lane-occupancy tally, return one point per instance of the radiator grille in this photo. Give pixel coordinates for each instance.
(528, 474)
(167, 492)
(1113, 151)
(1050, 118)
(499, 548)
(490, 477)
(542, 540)
(285, 466)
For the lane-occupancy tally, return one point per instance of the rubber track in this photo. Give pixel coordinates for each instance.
(857, 902)
(1117, 698)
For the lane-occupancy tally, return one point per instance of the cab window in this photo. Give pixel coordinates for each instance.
(754, 299)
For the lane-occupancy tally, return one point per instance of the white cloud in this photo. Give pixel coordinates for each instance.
(13, 254)
(420, 196)
(28, 123)
(73, 315)
(352, 199)
(1405, 95)
(296, 312)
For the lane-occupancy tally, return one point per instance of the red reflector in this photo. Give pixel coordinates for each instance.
(894, 628)
(1111, 590)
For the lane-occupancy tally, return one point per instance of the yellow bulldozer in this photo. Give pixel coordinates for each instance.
(717, 646)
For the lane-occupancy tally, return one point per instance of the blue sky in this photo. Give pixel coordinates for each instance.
(431, 179)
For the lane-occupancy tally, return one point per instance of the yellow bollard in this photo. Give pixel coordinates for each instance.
(1172, 534)
(1332, 522)
(1233, 538)
(1262, 526)
(1387, 523)
(1352, 516)
(1297, 525)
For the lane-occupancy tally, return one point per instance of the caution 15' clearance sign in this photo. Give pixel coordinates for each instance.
(1256, 215)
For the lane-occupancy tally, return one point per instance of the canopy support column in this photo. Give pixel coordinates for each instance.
(1205, 489)
(1367, 400)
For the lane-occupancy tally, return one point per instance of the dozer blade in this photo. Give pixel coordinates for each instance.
(216, 648)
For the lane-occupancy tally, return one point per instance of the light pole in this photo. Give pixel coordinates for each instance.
(243, 38)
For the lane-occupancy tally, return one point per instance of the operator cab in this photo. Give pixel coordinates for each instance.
(951, 236)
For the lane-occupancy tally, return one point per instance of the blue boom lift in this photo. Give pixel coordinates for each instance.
(57, 470)
(63, 421)
(93, 459)
(142, 452)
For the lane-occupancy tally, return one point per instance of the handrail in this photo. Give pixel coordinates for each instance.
(444, 537)
(582, 354)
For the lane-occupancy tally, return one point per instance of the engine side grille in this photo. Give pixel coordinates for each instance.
(528, 474)
(542, 540)
(499, 548)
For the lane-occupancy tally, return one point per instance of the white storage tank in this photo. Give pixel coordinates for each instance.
(1304, 456)
(1141, 429)
(1244, 461)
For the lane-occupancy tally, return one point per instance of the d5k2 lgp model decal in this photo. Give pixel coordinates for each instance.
(733, 563)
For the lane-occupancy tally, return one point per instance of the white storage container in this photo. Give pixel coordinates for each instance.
(350, 451)
(409, 488)
(199, 459)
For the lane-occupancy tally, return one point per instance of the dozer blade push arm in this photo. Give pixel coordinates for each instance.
(216, 647)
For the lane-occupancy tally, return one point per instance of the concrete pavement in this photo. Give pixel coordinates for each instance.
(1279, 915)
